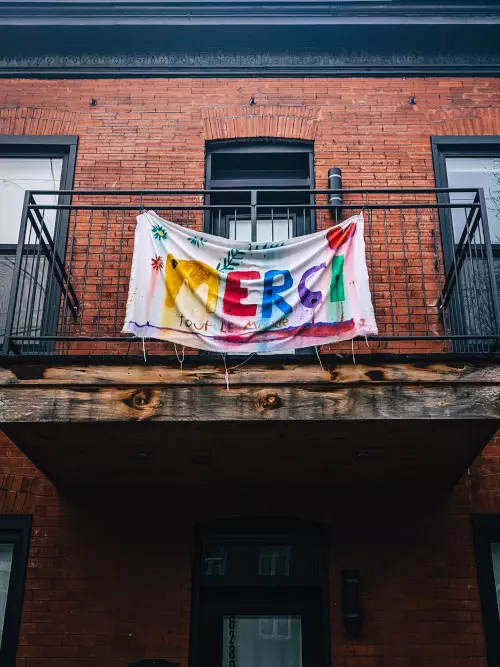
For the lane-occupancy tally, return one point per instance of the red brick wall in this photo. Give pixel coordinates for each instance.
(109, 572)
(152, 132)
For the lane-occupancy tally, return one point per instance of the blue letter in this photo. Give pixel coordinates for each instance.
(271, 293)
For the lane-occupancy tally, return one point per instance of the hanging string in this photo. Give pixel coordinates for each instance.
(243, 362)
(366, 341)
(144, 350)
(316, 348)
(179, 359)
(353, 355)
(224, 355)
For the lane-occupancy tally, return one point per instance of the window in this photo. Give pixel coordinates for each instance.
(14, 543)
(31, 163)
(260, 595)
(487, 542)
(259, 166)
(463, 162)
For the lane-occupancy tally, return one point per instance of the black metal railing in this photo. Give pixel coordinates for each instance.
(433, 273)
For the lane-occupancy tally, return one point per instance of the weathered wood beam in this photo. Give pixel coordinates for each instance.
(42, 393)
(264, 402)
(265, 374)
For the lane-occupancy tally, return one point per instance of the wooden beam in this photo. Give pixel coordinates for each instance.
(271, 402)
(42, 393)
(263, 374)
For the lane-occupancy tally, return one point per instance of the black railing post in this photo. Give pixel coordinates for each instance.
(253, 214)
(491, 267)
(6, 347)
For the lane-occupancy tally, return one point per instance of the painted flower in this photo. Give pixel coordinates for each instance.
(197, 241)
(159, 232)
(157, 263)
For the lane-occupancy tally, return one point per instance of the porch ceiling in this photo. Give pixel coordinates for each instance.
(427, 453)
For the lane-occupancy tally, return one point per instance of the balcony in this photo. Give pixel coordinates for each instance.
(71, 272)
(429, 382)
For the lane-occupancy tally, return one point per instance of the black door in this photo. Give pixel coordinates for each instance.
(260, 595)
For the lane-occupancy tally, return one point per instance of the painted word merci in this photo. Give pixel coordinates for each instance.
(275, 283)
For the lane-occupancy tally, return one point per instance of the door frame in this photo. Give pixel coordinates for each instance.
(276, 529)
(486, 529)
(57, 147)
(15, 530)
(457, 146)
(264, 146)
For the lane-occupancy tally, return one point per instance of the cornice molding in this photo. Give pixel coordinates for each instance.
(214, 64)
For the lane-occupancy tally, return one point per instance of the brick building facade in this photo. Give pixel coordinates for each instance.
(129, 469)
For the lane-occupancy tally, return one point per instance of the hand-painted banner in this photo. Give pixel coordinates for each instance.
(212, 293)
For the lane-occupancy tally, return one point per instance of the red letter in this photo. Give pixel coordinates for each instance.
(231, 304)
(337, 236)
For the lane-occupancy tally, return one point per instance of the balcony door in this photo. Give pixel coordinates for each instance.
(30, 163)
(470, 162)
(254, 194)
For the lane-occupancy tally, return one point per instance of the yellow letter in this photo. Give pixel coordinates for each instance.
(195, 274)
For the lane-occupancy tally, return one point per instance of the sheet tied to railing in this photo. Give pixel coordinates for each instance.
(212, 293)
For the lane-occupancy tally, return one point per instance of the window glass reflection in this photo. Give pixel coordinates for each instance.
(262, 641)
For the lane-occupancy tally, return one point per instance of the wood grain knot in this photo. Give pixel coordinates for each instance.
(139, 399)
(270, 401)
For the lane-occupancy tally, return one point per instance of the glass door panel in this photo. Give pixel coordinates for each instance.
(269, 229)
(262, 641)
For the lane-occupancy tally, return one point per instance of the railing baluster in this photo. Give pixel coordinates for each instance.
(27, 265)
(491, 268)
(405, 266)
(391, 307)
(98, 319)
(372, 258)
(438, 268)
(118, 279)
(85, 274)
(72, 242)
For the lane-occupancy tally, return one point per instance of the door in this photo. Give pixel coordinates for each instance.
(259, 192)
(27, 164)
(470, 243)
(275, 629)
(260, 594)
